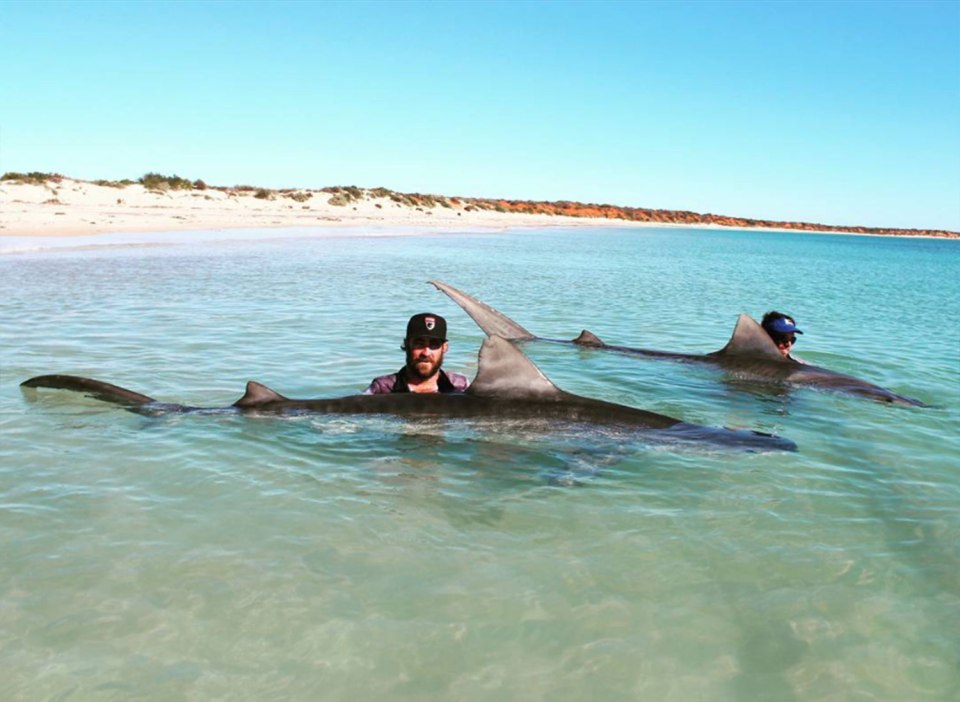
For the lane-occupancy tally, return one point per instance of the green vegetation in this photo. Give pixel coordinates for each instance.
(32, 178)
(264, 194)
(344, 195)
(155, 181)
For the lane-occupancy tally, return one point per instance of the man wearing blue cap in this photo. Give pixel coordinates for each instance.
(783, 330)
(425, 344)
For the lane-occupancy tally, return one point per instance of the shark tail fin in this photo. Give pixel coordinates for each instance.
(257, 394)
(750, 339)
(491, 321)
(97, 389)
(588, 338)
(504, 371)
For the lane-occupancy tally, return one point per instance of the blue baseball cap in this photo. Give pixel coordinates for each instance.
(784, 326)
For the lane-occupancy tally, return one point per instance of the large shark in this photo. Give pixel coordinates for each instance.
(750, 352)
(508, 386)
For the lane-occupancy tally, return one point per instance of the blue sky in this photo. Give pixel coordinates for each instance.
(839, 112)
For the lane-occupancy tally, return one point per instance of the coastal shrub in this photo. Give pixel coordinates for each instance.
(338, 200)
(424, 200)
(379, 192)
(32, 178)
(347, 193)
(263, 194)
(299, 197)
(156, 181)
(199, 185)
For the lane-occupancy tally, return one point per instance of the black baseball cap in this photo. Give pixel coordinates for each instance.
(427, 325)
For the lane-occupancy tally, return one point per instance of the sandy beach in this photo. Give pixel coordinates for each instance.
(60, 206)
(75, 208)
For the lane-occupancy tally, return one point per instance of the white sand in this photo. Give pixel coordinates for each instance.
(72, 208)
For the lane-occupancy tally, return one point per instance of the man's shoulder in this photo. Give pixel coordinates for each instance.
(382, 385)
(459, 382)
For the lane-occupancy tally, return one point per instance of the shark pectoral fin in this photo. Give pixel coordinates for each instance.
(258, 394)
(488, 319)
(588, 338)
(505, 372)
(750, 339)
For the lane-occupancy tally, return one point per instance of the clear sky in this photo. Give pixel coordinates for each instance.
(837, 112)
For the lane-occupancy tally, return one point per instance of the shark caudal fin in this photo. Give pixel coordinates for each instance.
(750, 339)
(258, 394)
(97, 389)
(506, 372)
(492, 322)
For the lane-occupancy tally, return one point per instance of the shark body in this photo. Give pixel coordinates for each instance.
(750, 352)
(508, 386)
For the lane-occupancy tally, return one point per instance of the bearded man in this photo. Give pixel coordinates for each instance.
(425, 344)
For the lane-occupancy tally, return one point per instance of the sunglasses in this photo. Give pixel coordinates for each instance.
(432, 344)
(786, 341)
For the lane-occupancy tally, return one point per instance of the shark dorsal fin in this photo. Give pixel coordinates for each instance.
(750, 339)
(588, 338)
(257, 394)
(505, 372)
(488, 319)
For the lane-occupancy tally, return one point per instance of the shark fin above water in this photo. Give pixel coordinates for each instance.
(97, 389)
(750, 339)
(504, 371)
(258, 394)
(588, 338)
(491, 321)
(749, 352)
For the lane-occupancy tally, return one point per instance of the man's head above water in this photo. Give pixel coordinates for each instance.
(425, 344)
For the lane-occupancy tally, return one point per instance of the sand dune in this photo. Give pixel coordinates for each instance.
(73, 207)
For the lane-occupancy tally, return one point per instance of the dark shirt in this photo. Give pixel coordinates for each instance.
(397, 382)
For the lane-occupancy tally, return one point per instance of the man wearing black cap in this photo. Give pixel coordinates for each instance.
(425, 345)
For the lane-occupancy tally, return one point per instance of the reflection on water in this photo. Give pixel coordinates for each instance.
(217, 555)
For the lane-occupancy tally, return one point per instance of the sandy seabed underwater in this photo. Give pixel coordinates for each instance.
(314, 557)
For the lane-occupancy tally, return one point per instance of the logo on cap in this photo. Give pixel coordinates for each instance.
(430, 323)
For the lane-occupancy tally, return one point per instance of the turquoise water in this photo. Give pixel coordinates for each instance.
(223, 557)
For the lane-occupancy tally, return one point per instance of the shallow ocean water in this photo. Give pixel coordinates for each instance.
(223, 557)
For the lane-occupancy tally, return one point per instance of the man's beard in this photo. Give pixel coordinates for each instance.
(423, 368)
